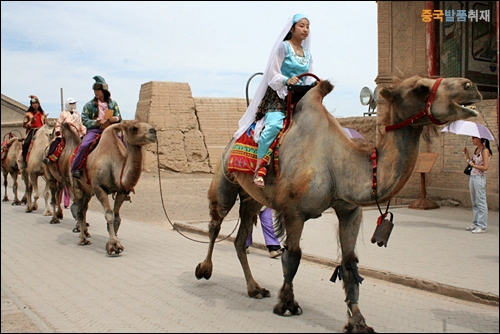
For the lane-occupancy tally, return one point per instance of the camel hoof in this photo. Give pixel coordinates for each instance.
(287, 310)
(55, 221)
(84, 242)
(259, 293)
(114, 249)
(357, 324)
(17, 202)
(5, 200)
(200, 273)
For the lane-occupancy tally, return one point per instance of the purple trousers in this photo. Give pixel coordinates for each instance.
(84, 147)
(266, 222)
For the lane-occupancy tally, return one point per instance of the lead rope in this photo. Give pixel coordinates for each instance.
(165, 211)
(373, 158)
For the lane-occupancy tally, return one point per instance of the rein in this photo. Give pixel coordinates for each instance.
(165, 211)
(425, 112)
(373, 158)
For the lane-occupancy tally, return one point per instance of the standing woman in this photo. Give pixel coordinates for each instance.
(477, 183)
(289, 58)
(34, 119)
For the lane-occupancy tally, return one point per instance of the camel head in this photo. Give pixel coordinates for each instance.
(138, 133)
(439, 100)
(46, 130)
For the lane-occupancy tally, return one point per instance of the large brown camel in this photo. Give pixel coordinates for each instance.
(58, 173)
(36, 168)
(321, 168)
(11, 167)
(114, 166)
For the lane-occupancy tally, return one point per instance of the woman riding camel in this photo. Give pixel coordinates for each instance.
(289, 58)
(34, 119)
(71, 116)
(93, 118)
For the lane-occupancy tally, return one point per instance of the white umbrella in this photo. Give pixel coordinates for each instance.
(468, 128)
(351, 133)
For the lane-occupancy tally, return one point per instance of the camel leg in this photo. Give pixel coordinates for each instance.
(290, 261)
(55, 191)
(15, 188)
(29, 192)
(46, 197)
(113, 245)
(349, 225)
(222, 195)
(249, 209)
(5, 197)
(81, 201)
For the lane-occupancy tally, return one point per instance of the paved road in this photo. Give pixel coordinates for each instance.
(58, 286)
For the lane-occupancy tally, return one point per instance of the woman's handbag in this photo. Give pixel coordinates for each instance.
(467, 169)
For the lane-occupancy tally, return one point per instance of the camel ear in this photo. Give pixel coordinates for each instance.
(387, 93)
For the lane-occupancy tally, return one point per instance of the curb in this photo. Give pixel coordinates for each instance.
(429, 286)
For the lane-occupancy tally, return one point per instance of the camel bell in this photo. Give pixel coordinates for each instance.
(383, 230)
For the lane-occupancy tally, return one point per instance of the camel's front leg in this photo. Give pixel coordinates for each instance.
(113, 245)
(290, 261)
(349, 225)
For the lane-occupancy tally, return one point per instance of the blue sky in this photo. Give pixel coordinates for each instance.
(213, 46)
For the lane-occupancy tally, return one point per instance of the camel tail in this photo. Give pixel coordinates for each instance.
(279, 226)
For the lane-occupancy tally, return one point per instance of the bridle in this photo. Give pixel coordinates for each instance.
(425, 112)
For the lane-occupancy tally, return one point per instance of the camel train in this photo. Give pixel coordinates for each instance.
(321, 168)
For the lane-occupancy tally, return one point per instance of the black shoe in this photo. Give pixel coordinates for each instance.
(77, 174)
(46, 161)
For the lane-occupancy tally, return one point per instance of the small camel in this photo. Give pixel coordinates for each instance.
(36, 168)
(114, 166)
(10, 167)
(321, 168)
(58, 173)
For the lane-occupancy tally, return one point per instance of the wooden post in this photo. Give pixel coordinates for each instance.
(424, 165)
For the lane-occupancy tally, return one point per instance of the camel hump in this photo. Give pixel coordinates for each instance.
(324, 88)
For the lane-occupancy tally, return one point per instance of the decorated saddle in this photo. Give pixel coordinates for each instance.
(243, 156)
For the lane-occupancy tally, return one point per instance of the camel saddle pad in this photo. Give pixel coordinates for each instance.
(57, 152)
(243, 156)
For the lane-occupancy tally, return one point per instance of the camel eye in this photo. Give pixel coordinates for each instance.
(467, 85)
(421, 90)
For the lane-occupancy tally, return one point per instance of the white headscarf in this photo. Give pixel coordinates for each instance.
(249, 117)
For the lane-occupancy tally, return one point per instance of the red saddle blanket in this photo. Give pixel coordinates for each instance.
(243, 156)
(57, 152)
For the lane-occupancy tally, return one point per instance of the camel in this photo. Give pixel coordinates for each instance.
(35, 168)
(321, 168)
(10, 167)
(114, 166)
(58, 173)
